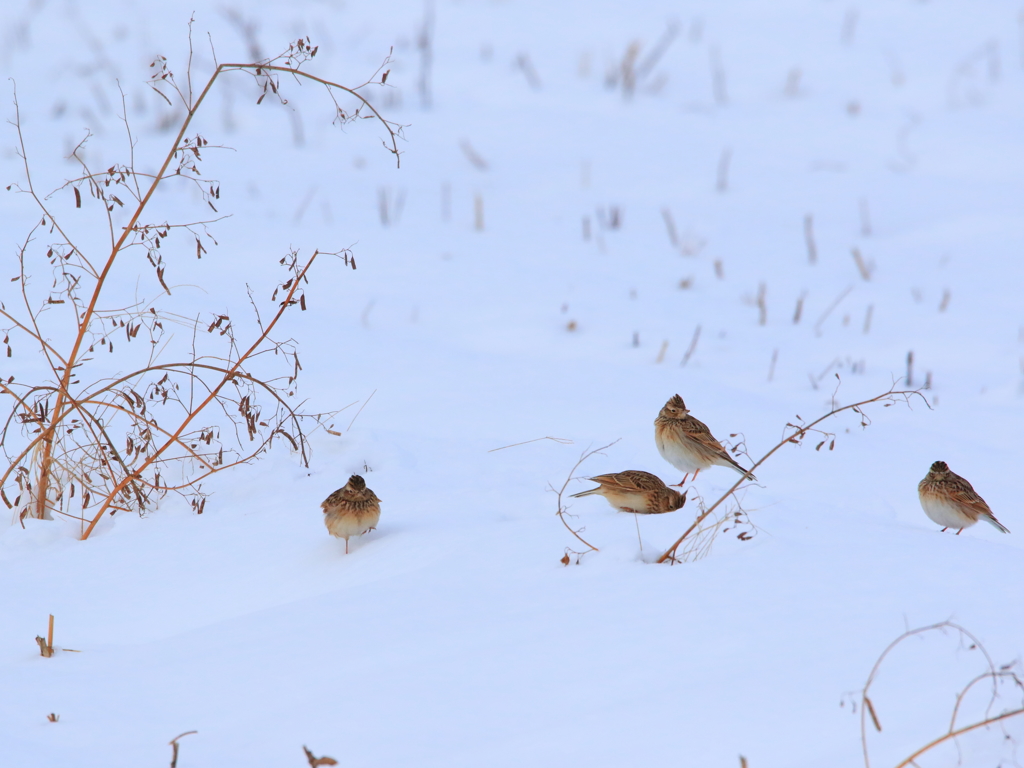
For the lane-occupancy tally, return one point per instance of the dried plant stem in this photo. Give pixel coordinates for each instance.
(771, 368)
(174, 747)
(798, 433)
(862, 266)
(659, 49)
(46, 646)
(474, 157)
(670, 225)
(560, 440)
(693, 346)
(425, 45)
(824, 315)
(478, 212)
(365, 403)
(812, 248)
(798, 312)
(993, 674)
(990, 675)
(636, 519)
(953, 734)
(524, 63)
(561, 512)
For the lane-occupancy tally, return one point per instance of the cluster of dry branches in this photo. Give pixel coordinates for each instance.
(710, 523)
(84, 437)
(997, 677)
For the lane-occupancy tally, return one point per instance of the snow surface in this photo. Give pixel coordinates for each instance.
(452, 635)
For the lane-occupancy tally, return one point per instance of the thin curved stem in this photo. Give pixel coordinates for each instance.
(953, 734)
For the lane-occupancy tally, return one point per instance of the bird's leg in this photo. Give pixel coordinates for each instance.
(682, 482)
(346, 545)
(944, 529)
(695, 473)
(960, 531)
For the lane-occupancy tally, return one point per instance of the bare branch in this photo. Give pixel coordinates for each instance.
(561, 510)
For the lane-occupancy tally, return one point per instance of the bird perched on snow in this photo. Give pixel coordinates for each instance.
(687, 444)
(352, 510)
(950, 501)
(635, 491)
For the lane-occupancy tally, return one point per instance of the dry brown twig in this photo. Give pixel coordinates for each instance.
(795, 433)
(693, 346)
(174, 747)
(46, 644)
(365, 403)
(85, 432)
(316, 762)
(1005, 673)
(709, 527)
(562, 512)
(559, 440)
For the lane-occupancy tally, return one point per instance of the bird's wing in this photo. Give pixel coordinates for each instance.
(961, 492)
(610, 479)
(334, 499)
(636, 480)
(698, 430)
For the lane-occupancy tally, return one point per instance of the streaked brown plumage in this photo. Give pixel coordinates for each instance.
(687, 444)
(950, 501)
(635, 491)
(352, 510)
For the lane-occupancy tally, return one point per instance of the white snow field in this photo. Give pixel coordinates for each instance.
(525, 285)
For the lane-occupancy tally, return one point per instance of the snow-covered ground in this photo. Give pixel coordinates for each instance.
(501, 303)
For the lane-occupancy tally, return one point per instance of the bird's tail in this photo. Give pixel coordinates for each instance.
(992, 520)
(746, 473)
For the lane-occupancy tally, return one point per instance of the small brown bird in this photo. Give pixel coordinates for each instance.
(635, 491)
(687, 444)
(950, 501)
(352, 510)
